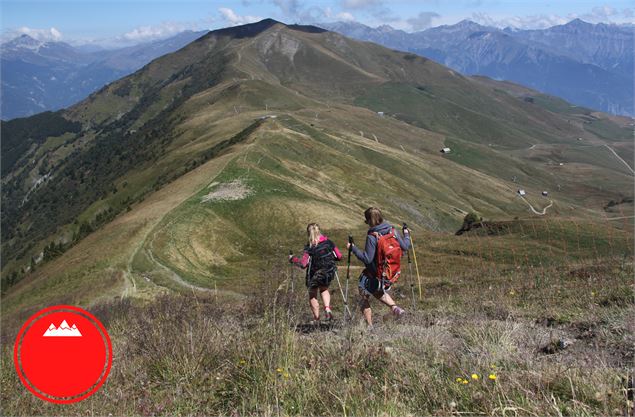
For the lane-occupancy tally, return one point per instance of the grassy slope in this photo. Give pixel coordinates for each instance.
(222, 243)
(342, 154)
(499, 142)
(97, 268)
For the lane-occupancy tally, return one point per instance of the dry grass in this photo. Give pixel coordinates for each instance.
(201, 355)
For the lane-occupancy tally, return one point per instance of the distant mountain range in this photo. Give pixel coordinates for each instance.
(587, 64)
(39, 76)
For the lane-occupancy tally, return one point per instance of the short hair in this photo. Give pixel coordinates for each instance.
(373, 216)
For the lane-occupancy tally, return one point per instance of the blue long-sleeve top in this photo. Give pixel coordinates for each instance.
(368, 255)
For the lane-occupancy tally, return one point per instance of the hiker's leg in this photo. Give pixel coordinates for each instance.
(364, 305)
(326, 299)
(326, 296)
(385, 298)
(313, 302)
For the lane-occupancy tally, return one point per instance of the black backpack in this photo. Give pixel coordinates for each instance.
(322, 258)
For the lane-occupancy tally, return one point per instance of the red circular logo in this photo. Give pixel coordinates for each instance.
(62, 354)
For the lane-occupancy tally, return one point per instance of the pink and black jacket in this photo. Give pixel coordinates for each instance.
(324, 247)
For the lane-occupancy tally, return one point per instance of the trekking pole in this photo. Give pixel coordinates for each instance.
(410, 276)
(339, 284)
(292, 272)
(348, 268)
(414, 256)
(411, 279)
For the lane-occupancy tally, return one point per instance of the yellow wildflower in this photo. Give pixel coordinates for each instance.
(475, 377)
(459, 380)
(492, 377)
(285, 375)
(279, 370)
(242, 362)
(465, 381)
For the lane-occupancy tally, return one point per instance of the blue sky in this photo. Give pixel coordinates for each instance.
(119, 22)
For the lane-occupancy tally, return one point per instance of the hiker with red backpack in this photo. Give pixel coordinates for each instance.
(318, 258)
(382, 258)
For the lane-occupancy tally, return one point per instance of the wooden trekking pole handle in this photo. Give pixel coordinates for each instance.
(404, 227)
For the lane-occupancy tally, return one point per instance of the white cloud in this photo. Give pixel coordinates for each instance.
(234, 19)
(603, 14)
(293, 11)
(422, 21)
(289, 7)
(345, 17)
(608, 14)
(541, 21)
(46, 35)
(150, 33)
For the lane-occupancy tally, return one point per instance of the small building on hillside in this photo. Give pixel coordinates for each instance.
(380, 113)
(545, 193)
(445, 150)
(521, 192)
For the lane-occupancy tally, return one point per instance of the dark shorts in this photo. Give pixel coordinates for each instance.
(370, 285)
(320, 278)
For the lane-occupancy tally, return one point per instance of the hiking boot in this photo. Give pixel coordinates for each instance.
(398, 311)
(328, 315)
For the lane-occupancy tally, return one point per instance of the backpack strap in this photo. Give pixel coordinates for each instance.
(378, 235)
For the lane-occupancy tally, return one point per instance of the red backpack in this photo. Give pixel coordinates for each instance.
(388, 258)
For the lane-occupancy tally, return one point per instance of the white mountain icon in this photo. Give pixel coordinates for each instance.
(63, 330)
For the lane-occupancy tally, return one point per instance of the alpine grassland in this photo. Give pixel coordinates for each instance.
(167, 204)
(494, 333)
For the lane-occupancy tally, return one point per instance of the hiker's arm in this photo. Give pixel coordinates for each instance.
(404, 241)
(301, 262)
(337, 253)
(368, 255)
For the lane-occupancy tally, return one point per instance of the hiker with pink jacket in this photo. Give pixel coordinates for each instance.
(318, 258)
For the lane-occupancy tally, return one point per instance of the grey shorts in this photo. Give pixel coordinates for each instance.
(370, 285)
